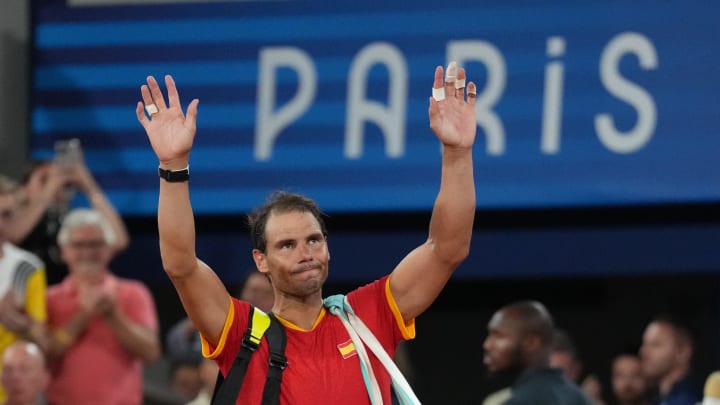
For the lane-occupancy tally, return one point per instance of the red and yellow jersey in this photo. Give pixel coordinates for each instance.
(323, 366)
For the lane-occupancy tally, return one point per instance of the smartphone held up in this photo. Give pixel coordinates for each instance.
(68, 153)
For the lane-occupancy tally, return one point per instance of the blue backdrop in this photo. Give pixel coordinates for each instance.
(580, 103)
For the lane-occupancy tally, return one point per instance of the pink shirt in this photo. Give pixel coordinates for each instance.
(97, 369)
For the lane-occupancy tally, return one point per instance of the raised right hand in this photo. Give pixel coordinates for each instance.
(171, 133)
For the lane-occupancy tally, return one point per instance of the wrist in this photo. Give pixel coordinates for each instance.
(63, 337)
(175, 164)
(175, 176)
(33, 332)
(94, 195)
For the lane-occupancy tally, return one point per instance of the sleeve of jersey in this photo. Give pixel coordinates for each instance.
(35, 295)
(376, 306)
(226, 350)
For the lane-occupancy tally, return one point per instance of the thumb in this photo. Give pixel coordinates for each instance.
(191, 116)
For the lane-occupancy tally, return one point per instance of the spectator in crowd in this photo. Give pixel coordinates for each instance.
(48, 191)
(22, 282)
(103, 327)
(185, 381)
(518, 344)
(629, 385)
(666, 357)
(24, 375)
(257, 290)
(208, 375)
(182, 342)
(565, 356)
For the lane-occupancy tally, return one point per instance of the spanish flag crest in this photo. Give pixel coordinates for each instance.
(347, 349)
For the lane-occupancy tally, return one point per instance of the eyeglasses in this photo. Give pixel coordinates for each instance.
(87, 244)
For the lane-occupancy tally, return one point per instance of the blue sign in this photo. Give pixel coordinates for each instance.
(588, 103)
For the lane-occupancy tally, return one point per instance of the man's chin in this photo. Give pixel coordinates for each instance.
(88, 270)
(501, 377)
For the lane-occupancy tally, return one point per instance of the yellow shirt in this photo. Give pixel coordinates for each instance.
(23, 272)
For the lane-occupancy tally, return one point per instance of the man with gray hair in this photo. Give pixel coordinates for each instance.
(22, 282)
(103, 327)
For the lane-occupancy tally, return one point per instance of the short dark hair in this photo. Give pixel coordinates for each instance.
(535, 318)
(280, 202)
(562, 342)
(681, 330)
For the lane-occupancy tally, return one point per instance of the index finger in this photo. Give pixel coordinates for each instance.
(439, 78)
(173, 96)
(156, 93)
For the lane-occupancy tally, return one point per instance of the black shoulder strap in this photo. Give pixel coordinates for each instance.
(227, 389)
(277, 341)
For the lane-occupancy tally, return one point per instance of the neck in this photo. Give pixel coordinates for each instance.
(303, 312)
(667, 382)
(538, 360)
(88, 278)
(638, 402)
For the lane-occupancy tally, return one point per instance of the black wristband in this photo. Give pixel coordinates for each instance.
(174, 176)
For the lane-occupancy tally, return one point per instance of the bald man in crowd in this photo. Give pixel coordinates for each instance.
(24, 376)
(518, 344)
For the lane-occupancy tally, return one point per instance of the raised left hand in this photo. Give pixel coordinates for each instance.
(453, 119)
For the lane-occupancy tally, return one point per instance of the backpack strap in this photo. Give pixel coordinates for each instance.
(277, 340)
(228, 388)
(362, 336)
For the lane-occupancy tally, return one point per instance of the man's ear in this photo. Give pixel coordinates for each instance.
(260, 261)
(531, 343)
(684, 352)
(63, 254)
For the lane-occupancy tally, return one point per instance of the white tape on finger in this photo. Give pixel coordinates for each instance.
(459, 84)
(438, 94)
(451, 72)
(151, 109)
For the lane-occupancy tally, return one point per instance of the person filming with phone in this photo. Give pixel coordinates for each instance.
(47, 196)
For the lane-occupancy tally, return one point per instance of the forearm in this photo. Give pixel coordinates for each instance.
(36, 333)
(28, 216)
(454, 210)
(102, 204)
(60, 339)
(176, 226)
(137, 339)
